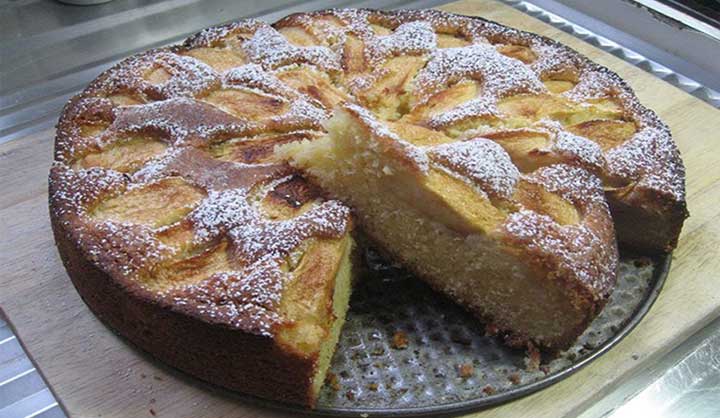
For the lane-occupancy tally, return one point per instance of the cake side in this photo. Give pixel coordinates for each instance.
(236, 360)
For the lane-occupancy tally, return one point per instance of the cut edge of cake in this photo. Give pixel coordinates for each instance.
(538, 264)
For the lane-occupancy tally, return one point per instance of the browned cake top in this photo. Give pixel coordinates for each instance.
(165, 162)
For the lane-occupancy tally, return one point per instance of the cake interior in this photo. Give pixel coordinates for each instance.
(341, 301)
(316, 302)
(443, 230)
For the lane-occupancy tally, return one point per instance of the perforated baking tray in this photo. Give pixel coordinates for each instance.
(405, 350)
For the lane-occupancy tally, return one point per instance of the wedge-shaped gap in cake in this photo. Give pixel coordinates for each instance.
(127, 153)
(155, 204)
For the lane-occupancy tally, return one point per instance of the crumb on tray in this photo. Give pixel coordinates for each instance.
(466, 370)
(399, 340)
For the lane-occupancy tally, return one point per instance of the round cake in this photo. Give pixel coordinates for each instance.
(205, 197)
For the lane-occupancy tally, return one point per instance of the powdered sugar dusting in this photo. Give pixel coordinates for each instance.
(652, 159)
(187, 76)
(572, 183)
(246, 299)
(575, 252)
(179, 119)
(572, 146)
(408, 39)
(171, 87)
(553, 59)
(211, 37)
(253, 76)
(122, 248)
(596, 84)
(483, 106)
(499, 74)
(270, 49)
(483, 162)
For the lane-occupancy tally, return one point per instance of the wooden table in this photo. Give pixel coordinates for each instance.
(94, 373)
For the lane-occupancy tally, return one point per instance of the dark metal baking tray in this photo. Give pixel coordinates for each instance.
(373, 376)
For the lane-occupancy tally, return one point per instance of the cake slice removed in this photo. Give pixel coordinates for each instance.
(534, 254)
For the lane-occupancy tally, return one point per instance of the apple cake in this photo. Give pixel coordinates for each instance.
(205, 197)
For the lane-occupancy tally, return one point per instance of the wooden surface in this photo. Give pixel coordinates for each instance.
(95, 373)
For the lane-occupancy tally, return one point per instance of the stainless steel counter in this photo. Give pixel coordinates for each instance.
(49, 51)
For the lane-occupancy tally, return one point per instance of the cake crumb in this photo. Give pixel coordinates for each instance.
(532, 360)
(350, 395)
(488, 390)
(466, 370)
(399, 340)
(514, 378)
(332, 381)
(373, 387)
